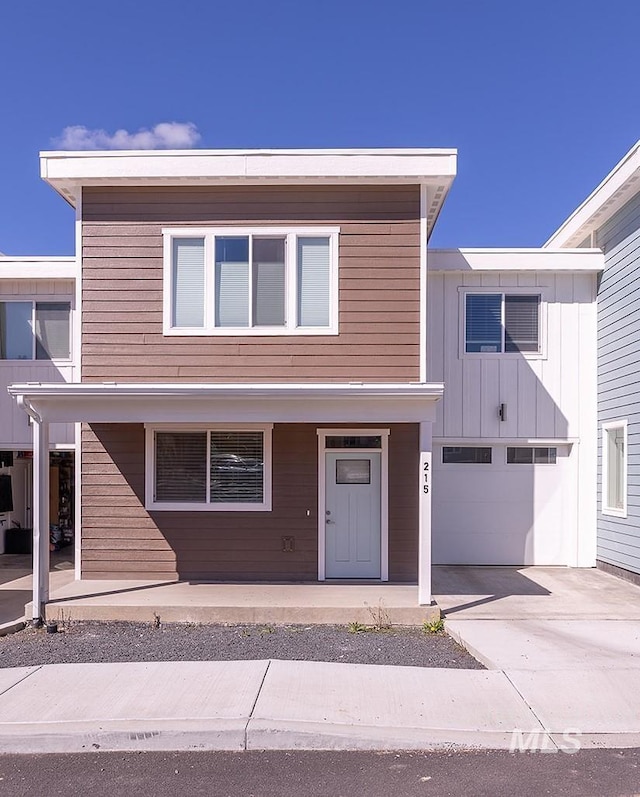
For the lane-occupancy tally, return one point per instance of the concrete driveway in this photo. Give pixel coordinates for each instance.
(541, 618)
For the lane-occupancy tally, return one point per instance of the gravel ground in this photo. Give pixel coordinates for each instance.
(102, 642)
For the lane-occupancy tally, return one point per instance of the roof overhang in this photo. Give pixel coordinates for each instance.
(617, 188)
(30, 268)
(229, 403)
(461, 260)
(69, 172)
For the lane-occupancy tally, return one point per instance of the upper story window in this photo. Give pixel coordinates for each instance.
(34, 330)
(501, 323)
(257, 281)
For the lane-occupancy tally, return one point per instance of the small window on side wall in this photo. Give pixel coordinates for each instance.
(614, 468)
(31, 330)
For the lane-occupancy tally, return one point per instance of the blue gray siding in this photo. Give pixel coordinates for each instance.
(619, 375)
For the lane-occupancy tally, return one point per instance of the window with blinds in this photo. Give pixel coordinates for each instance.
(531, 456)
(258, 281)
(35, 330)
(209, 469)
(499, 323)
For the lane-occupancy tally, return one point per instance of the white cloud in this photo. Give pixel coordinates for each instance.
(166, 135)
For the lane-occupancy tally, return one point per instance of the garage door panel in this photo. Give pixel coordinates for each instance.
(502, 514)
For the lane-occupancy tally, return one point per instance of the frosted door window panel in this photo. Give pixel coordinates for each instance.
(353, 471)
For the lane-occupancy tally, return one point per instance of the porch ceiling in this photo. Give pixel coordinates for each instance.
(225, 403)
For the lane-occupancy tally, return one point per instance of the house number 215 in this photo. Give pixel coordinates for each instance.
(425, 478)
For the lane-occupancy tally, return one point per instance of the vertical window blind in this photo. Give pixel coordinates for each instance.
(232, 282)
(188, 282)
(313, 282)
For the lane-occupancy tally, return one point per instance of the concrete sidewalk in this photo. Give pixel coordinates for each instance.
(311, 705)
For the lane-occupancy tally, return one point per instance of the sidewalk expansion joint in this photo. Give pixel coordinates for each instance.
(250, 717)
(547, 732)
(24, 678)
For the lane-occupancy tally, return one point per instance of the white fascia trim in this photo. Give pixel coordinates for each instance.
(463, 260)
(541, 442)
(601, 204)
(66, 171)
(32, 268)
(333, 390)
(149, 468)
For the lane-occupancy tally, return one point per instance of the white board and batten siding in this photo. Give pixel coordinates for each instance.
(619, 376)
(508, 514)
(15, 429)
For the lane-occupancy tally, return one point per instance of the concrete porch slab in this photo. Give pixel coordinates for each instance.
(204, 602)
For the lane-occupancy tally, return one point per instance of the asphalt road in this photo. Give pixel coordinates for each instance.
(594, 773)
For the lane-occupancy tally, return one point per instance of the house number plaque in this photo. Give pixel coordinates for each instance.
(425, 478)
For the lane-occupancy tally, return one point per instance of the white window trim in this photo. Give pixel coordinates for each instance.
(607, 510)
(504, 291)
(384, 490)
(209, 233)
(38, 299)
(163, 506)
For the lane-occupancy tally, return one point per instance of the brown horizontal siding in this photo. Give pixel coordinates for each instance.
(379, 285)
(120, 539)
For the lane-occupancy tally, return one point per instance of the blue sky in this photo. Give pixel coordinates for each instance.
(540, 98)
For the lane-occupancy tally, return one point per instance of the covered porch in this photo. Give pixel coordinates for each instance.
(363, 409)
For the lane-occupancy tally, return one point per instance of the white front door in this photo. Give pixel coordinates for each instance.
(353, 514)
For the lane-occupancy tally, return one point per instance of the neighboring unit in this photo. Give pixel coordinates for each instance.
(37, 306)
(610, 219)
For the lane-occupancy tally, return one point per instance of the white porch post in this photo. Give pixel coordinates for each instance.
(40, 519)
(424, 516)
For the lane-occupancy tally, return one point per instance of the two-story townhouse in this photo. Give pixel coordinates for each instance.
(37, 301)
(253, 365)
(265, 344)
(609, 218)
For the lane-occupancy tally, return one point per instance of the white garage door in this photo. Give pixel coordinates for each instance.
(501, 513)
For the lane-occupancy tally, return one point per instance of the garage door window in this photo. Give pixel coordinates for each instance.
(531, 456)
(467, 455)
